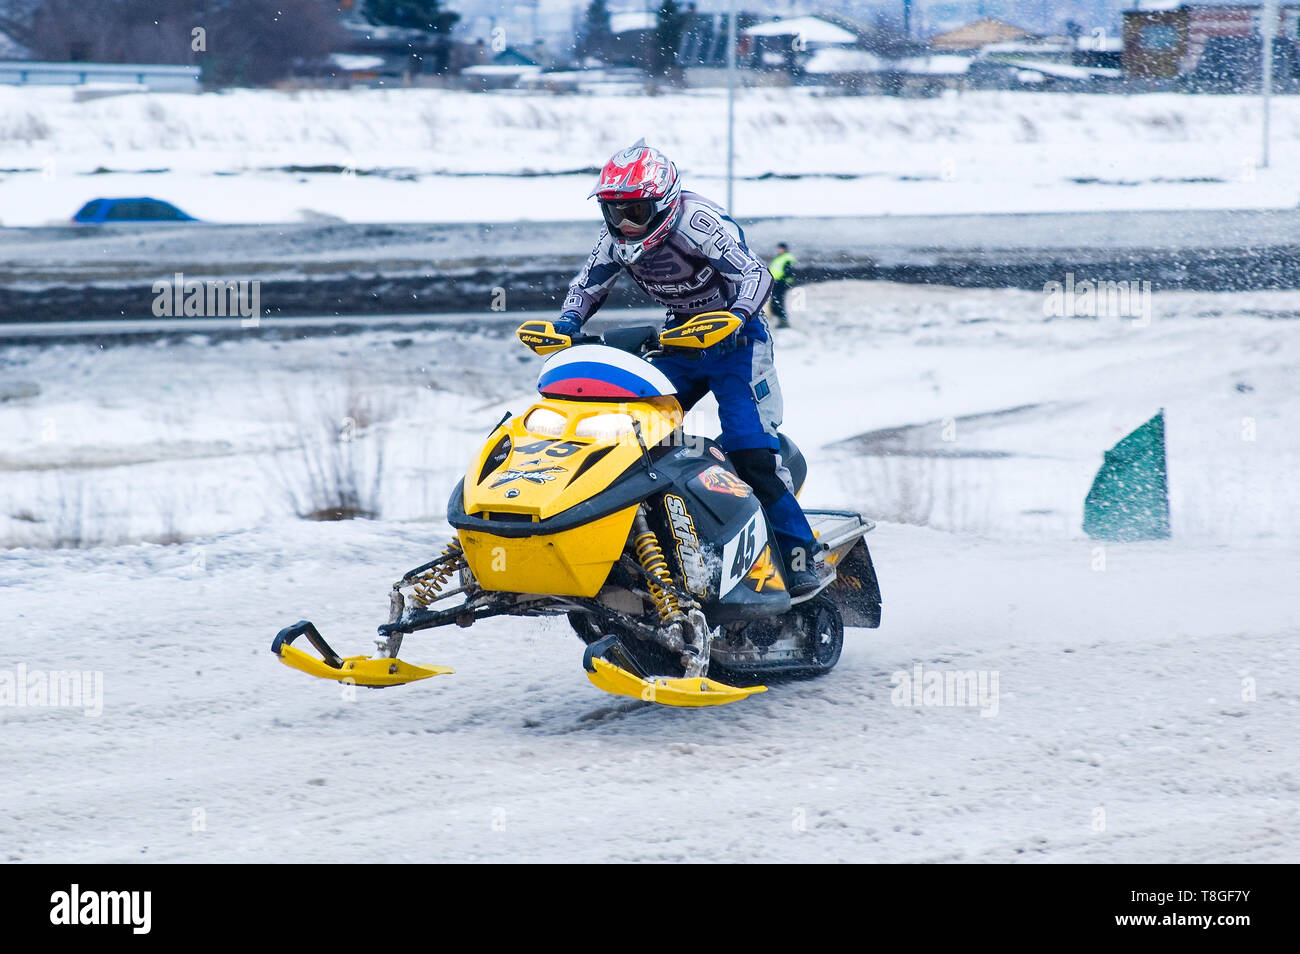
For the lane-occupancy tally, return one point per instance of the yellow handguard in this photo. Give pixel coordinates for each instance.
(702, 331)
(542, 337)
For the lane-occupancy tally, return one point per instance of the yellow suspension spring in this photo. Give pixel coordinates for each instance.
(426, 588)
(651, 557)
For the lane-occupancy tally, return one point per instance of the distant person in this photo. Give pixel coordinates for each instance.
(782, 269)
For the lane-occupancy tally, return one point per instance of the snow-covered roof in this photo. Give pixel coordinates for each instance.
(1065, 70)
(839, 60)
(610, 74)
(1029, 46)
(976, 34)
(356, 61)
(10, 49)
(810, 29)
(632, 20)
(944, 64)
(370, 31)
(1104, 43)
(501, 69)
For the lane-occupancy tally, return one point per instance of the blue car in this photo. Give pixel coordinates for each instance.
(143, 209)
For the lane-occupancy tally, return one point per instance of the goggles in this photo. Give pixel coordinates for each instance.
(637, 213)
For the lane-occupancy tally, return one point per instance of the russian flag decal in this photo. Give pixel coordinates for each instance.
(599, 372)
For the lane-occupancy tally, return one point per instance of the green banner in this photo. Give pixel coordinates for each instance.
(1129, 499)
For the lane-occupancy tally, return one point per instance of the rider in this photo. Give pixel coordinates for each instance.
(690, 256)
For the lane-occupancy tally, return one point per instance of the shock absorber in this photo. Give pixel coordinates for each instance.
(651, 557)
(426, 588)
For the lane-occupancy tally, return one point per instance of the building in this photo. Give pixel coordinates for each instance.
(981, 33)
(1206, 46)
(785, 44)
(404, 55)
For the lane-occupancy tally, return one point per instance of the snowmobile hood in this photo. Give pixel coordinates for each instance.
(561, 453)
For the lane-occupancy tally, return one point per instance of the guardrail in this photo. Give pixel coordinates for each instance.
(155, 77)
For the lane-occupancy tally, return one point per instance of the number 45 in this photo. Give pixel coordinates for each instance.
(745, 552)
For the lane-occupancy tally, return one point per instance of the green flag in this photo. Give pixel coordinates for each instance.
(1129, 499)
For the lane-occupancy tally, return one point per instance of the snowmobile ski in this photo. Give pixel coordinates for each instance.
(360, 670)
(686, 693)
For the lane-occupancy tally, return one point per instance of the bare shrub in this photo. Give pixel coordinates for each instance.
(896, 489)
(26, 128)
(75, 517)
(334, 467)
(168, 520)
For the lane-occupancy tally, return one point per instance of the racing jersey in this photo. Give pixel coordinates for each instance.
(702, 265)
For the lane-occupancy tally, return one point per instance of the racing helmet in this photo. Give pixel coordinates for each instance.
(640, 196)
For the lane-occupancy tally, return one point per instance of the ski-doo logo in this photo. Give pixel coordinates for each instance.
(75, 907)
(539, 476)
(688, 545)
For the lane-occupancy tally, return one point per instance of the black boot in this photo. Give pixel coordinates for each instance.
(804, 567)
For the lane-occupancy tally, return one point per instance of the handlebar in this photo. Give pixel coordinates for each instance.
(709, 331)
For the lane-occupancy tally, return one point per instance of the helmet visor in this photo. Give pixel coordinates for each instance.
(630, 217)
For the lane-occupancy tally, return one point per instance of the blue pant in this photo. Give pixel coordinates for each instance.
(750, 409)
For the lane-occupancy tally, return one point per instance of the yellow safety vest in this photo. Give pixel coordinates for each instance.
(780, 264)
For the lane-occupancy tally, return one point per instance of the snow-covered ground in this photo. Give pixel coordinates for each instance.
(432, 155)
(1118, 691)
(1147, 694)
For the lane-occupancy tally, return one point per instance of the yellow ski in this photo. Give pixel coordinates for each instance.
(358, 670)
(683, 693)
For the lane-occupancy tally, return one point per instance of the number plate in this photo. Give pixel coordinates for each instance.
(741, 551)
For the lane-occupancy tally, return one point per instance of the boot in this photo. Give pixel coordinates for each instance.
(801, 582)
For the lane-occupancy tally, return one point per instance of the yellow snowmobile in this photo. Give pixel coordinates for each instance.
(595, 504)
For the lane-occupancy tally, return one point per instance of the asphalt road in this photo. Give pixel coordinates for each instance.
(70, 273)
(134, 331)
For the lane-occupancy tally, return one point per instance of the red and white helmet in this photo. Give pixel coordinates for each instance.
(640, 197)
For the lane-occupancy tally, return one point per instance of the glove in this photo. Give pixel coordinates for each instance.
(568, 324)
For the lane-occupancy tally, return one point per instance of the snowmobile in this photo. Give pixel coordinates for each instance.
(594, 504)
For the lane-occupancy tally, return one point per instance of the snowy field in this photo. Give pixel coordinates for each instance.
(431, 155)
(1147, 699)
